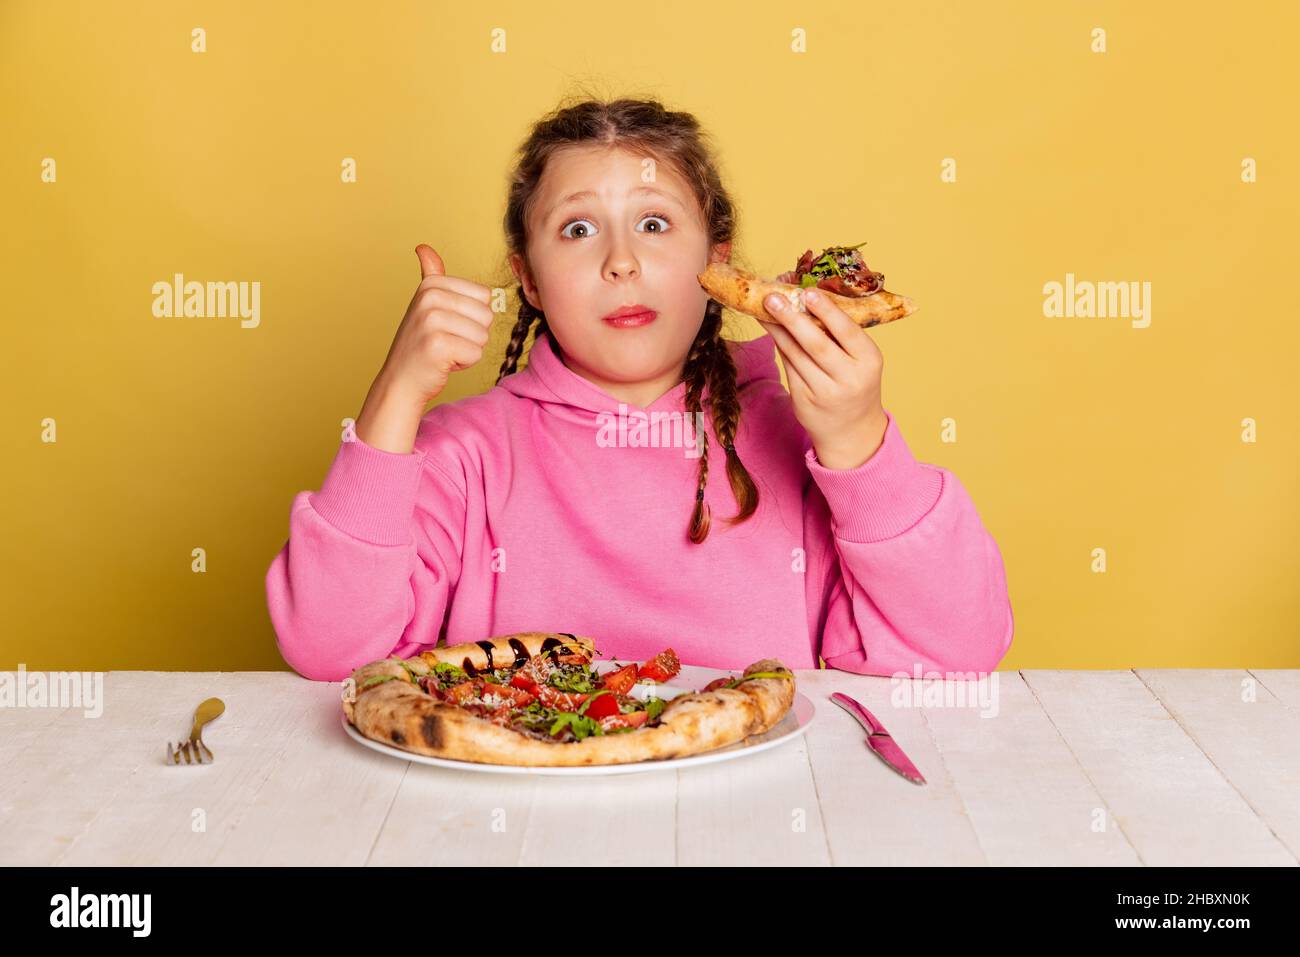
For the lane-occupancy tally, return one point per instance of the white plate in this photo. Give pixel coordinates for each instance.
(796, 721)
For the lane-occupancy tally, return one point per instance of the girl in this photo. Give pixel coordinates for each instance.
(575, 495)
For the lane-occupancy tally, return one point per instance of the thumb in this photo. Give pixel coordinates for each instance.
(430, 261)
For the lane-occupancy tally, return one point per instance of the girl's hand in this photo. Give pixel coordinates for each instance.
(834, 379)
(444, 331)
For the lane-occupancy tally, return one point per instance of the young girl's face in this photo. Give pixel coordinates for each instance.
(631, 240)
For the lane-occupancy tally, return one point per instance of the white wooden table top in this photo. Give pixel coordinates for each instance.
(1163, 767)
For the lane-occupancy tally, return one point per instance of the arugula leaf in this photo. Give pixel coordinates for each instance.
(580, 725)
(829, 263)
(536, 716)
(654, 707)
(376, 679)
(449, 674)
(579, 679)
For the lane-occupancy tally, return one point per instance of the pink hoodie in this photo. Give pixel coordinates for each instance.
(526, 508)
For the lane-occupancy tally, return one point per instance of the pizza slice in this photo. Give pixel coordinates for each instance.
(537, 699)
(840, 272)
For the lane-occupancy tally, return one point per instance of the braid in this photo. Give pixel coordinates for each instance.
(519, 334)
(710, 362)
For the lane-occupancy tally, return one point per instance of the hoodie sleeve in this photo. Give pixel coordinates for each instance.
(370, 561)
(914, 577)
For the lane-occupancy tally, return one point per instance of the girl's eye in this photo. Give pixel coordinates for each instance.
(663, 219)
(587, 225)
(576, 222)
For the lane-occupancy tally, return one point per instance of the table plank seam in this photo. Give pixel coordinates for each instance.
(528, 820)
(677, 825)
(956, 788)
(1169, 710)
(821, 814)
(1110, 815)
(965, 811)
(1276, 697)
(379, 831)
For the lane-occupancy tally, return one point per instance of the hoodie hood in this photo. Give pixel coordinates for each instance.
(549, 382)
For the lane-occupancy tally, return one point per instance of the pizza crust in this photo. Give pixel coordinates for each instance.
(397, 712)
(744, 292)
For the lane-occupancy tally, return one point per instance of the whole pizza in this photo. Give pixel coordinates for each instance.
(536, 698)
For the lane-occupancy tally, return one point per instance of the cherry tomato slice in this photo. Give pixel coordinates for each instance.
(662, 667)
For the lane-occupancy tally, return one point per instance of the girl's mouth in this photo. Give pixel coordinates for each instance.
(631, 320)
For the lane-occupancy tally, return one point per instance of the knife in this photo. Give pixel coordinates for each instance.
(879, 740)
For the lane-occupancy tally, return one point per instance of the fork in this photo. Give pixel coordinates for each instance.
(194, 750)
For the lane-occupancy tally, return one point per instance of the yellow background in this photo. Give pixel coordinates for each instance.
(1073, 434)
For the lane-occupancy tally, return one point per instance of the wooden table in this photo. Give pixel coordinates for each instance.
(1071, 767)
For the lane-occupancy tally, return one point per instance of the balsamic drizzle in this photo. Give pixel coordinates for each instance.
(550, 646)
(521, 653)
(553, 646)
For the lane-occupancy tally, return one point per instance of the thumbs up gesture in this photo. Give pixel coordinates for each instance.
(444, 330)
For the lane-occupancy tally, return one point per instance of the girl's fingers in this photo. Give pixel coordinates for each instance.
(461, 326)
(797, 383)
(816, 344)
(847, 333)
(447, 300)
(461, 351)
(799, 367)
(456, 284)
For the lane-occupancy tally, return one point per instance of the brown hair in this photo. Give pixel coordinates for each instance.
(646, 126)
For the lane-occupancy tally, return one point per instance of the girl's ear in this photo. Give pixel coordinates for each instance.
(721, 252)
(518, 267)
